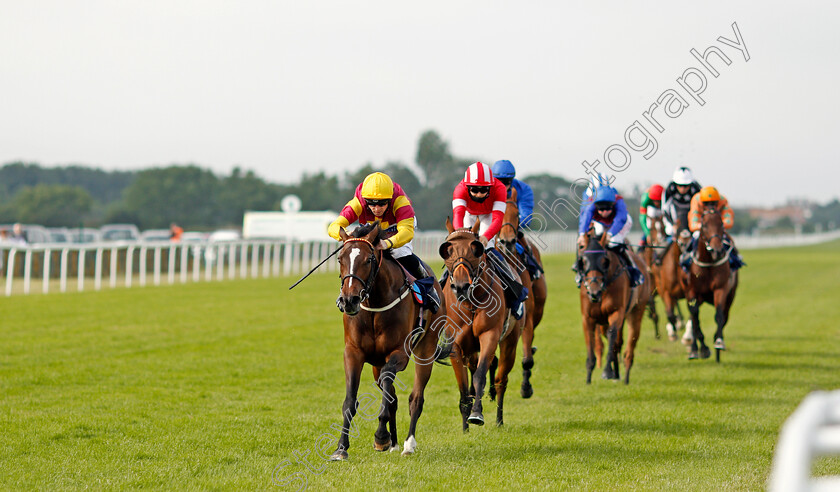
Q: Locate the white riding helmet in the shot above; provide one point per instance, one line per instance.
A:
(683, 176)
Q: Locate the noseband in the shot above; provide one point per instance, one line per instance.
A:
(367, 285)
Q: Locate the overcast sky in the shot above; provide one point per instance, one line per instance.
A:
(284, 87)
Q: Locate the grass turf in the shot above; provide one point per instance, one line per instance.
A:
(235, 385)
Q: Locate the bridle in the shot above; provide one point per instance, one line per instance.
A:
(707, 242)
(367, 285)
(601, 278)
(510, 224)
(473, 273)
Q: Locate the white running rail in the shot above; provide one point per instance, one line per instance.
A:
(53, 267)
(94, 266)
(813, 430)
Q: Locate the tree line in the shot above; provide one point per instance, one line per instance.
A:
(199, 199)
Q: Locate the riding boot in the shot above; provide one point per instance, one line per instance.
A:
(415, 267)
(517, 293)
(735, 260)
(685, 258)
(578, 276)
(636, 277)
(531, 263)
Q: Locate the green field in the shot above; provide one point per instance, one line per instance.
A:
(216, 386)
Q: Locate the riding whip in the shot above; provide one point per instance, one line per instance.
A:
(316, 266)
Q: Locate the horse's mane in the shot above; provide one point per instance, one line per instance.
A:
(364, 230)
(462, 233)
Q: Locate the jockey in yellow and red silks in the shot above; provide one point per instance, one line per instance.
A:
(379, 198)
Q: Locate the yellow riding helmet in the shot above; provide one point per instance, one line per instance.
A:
(709, 194)
(378, 186)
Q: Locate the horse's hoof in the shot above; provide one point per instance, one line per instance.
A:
(476, 418)
(672, 333)
(527, 391)
(705, 353)
(409, 446)
(492, 393)
(382, 446)
(608, 375)
(533, 350)
(719, 344)
(687, 340)
(339, 455)
(693, 355)
(393, 448)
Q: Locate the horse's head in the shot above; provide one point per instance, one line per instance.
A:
(462, 254)
(509, 232)
(594, 264)
(712, 232)
(358, 265)
(657, 230)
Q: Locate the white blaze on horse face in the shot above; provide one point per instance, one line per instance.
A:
(354, 253)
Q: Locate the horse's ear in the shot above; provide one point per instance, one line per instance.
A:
(603, 240)
(445, 250)
(342, 234)
(449, 226)
(513, 193)
(373, 235)
(477, 248)
(476, 227)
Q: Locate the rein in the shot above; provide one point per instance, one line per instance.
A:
(712, 264)
(367, 285)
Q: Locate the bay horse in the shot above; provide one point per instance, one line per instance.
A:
(508, 237)
(379, 329)
(477, 306)
(664, 262)
(606, 300)
(710, 280)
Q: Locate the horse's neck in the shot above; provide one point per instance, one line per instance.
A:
(387, 279)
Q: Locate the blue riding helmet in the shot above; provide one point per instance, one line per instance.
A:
(605, 194)
(504, 169)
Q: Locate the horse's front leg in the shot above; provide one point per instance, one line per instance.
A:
(424, 356)
(507, 359)
(616, 321)
(384, 440)
(489, 340)
(353, 362)
(459, 365)
(673, 324)
(721, 316)
(698, 340)
(589, 336)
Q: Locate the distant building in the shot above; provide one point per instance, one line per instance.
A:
(797, 210)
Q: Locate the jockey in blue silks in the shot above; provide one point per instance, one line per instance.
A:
(504, 171)
(608, 213)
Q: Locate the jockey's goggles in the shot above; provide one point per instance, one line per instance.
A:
(479, 190)
(603, 206)
(506, 181)
(377, 203)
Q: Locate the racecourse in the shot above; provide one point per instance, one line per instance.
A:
(234, 385)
